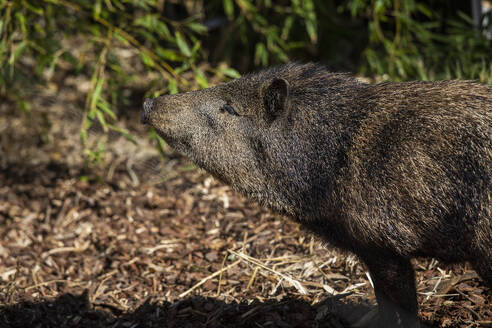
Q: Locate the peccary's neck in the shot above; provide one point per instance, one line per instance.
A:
(308, 156)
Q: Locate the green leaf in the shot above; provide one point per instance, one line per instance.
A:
(88, 121)
(424, 10)
(123, 132)
(466, 18)
(261, 20)
(280, 54)
(182, 45)
(22, 104)
(197, 27)
(230, 72)
(147, 36)
(163, 30)
(96, 93)
(83, 136)
(229, 8)
(247, 5)
(90, 116)
(22, 22)
(96, 9)
(173, 87)
(100, 118)
(201, 79)
(196, 47)
(311, 30)
(261, 54)
(287, 26)
(380, 6)
(147, 60)
(189, 167)
(145, 21)
(30, 7)
(160, 142)
(18, 50)
(84, 178)
(104, 106)
(121, 38)
(169, 54)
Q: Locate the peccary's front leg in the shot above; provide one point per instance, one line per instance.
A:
(394, 285)
(483, 266)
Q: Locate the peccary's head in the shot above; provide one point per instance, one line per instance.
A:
(254, 133)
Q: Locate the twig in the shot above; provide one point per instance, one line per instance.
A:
(66, 250)
(163, 244)
(294, 282)
(252, 279)
(44, 283)
(204, 280)
(220, 275)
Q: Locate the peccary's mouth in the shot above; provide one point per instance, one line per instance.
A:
(179, 143)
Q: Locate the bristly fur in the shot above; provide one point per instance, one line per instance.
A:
(388, 171)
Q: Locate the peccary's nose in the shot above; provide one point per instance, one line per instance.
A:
(147, 108)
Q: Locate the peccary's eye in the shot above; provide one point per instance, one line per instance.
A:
(229, 109)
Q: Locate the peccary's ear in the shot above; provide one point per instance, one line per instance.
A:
(275, 96)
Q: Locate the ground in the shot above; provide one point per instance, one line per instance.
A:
(145, 242)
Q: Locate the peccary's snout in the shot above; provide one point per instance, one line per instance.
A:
(147, 108)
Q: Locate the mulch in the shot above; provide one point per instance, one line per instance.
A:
(140, 242)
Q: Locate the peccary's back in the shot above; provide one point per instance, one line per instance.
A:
(419, 173)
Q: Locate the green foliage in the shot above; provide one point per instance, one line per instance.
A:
(273, 30)
(410, 40)
(41, 37)
(180, 45)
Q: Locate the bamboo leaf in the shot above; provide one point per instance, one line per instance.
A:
(311, 30)
(163, 30)
(121, 38)
(169, 54)
(17, 52)
(100, 118)
(182, 45)
(104, 106)
(96, 93)
(173, 87)
(147, 60)
(160, 142)
(261, 54)
(22, 22)
(229, 8)
(289, 21)
(96, 10)
(201, 79)
(424, 10)
(123, 132)
(230, 72)
(196, 47)
(246, 4)
(197, 27)
(30, 7)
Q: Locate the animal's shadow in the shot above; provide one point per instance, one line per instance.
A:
(70, 310)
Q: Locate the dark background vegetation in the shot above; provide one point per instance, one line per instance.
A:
(102, 225)
(186, 44)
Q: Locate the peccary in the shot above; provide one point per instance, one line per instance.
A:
(389, 171)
